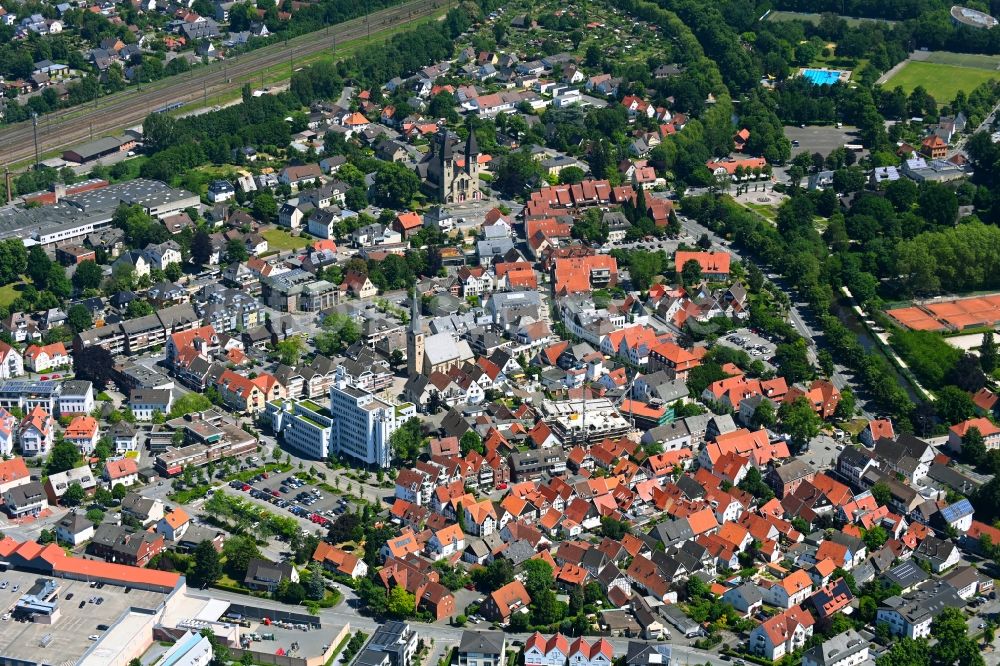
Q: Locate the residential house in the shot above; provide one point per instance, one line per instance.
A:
(43, 358)
(782, 634)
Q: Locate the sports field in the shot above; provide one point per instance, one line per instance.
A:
(942, 81)
(814, 18)
(974, 60)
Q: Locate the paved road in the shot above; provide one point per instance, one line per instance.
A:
(69, 126)
(346, 612)
(797, 316)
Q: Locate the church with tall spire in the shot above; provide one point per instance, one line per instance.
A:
(415, 338)
(451, 177)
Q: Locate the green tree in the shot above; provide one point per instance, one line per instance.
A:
(64, 456)
(974, 446)
(495, 575)
(290, 350)
(236, 250)
(238, 552)
(517, 172)
(291, 592)
(74, 495)
(613, 528)
(538, 576)
(265, 207)
(88, 275)
(793, 361)
(471, 441)
(78, 317)
(201, 247)
(754, 484)
(953, 405)
(906, 652)
(13, 260)
(38, 266)
(395, 185)
(953, 644)
(316, 589)
(188, 403)
(401, 604)
(799, 419)
(691, 273)
(407, 440)
(764, 416)
(989, 356)
(882, 494)
(875, 537)
(119, 491)
(207, 567)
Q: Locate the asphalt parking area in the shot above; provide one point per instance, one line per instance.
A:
(821, 139)
(303, 501)
(757, 347)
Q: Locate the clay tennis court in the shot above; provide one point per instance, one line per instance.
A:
(955, 315)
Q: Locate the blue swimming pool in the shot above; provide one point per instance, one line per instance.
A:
(821, 77)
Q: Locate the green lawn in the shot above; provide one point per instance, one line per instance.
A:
(942, 81)
(814, 18)
(279, 239)
(9, 292)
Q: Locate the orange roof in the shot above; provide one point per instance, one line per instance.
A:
(409, 220)
(833, 551)
(881, 428)
(182, 339)
(452, 533)
(82, 427)
(117, 469)
(321, 244)
(730, 166)
(984, 425)
(63, 563)
(825, 567)
(572, 274)
(37, 418)
(710, 262)
(702, 521)
(796, 581)
(177, 517)
(355, 119)
(13, 470)
(55, 349)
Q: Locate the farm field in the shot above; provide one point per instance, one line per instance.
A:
(942, 81)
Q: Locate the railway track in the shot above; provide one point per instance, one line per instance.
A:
(130, 107)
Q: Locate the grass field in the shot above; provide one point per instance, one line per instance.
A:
(973, 60)
(9, 292)
(814, 18)
(942, 81)
(279, 239)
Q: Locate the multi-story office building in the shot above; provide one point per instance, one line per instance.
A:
(305, 426)
(363, 424)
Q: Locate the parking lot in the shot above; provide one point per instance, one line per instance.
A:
(311, 505)
(822, 140)
(759, 348)
(80, 622)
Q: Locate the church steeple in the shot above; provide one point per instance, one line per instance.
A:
(415, 338)
(471, 150)
(415, 312)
